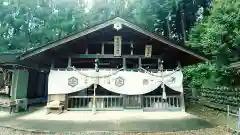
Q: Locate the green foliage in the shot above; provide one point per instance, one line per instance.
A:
(30, 23)
(222, 95)
(218, 35)
(206, 75)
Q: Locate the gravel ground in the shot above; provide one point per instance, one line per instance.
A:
(202, 112)
(211, 131)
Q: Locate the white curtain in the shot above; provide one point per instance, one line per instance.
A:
(173, 79)
(63, 82)
(130, 83)
(122, 82)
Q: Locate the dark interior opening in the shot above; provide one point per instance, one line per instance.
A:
(94, 48)
(61, 63)
(110, 63)
(83, 63)
(139, 49)
(158, 91)
(100, 91)
(108, 48)
(132, 63)
(149, 63)
(126, 49)
(37, 84)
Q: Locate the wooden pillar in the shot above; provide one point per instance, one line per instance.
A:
(131, 48)
(163, 85)
(102, 48)
(159, 64)
(69, 61)
(139, 62)
(179, 64)
(53, 64)
(94, 98)
(124, 63)
(182, 102)
(95, 87)
(86, 49)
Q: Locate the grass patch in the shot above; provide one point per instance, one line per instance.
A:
(212, 115)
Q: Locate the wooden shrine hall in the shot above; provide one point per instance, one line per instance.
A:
(115, 65)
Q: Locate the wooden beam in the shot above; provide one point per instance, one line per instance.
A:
(109, 42)
(93, 56)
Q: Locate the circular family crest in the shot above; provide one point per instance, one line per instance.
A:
(119, 82)
(73, 81)
(145, 82)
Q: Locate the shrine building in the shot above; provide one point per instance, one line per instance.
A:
(115, 65)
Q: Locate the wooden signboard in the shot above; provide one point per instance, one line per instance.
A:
(148, 50)
(117, 45)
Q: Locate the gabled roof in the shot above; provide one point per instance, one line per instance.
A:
(103, 25)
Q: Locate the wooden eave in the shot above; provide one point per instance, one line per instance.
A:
(9, 58)
(103, 25)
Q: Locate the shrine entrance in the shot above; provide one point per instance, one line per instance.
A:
(133, 101)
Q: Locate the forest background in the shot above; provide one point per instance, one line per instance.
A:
(211, 27)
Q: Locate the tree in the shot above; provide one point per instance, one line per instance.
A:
(30, 23)
(217, 36)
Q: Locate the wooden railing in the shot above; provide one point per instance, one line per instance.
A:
(117, 103)
(102, 102)
(156, 102)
